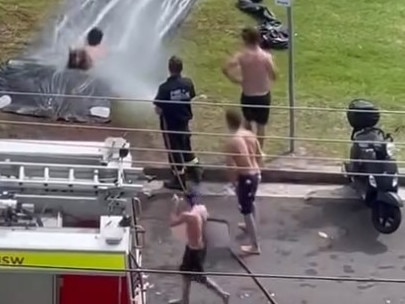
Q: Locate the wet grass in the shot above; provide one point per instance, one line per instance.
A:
(344, 50)
(19, 19)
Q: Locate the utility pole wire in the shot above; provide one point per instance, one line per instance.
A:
(202, 103)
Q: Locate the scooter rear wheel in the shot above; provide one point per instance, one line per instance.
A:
(385, 218)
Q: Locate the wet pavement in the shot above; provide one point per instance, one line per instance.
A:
(291, 245)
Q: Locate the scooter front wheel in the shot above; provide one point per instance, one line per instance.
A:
(385, 218)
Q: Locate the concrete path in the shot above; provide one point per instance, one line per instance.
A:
(331, 192)
(291, 244)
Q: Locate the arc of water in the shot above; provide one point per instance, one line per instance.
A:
(167, 6)
(66, 17)
(100, 17)
(136, 28)
(129, 28)
(59, 27)
(181, 7)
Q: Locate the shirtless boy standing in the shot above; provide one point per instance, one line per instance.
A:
(194, 219)
(244, 159)
(254, 70)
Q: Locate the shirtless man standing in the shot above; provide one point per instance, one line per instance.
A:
(244, 161)
(194, 218)
(253, 69)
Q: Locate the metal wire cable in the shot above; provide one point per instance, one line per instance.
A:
(216, 166)
(165, 165)
(224, 274)
(120, 129)
(212, 166)
(323, 109)
(200, 152)
(267, 156)
(289, 170)
(277, 276)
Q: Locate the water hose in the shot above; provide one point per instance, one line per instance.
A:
(235, 256)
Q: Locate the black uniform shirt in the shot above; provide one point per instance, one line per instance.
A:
(180, 89)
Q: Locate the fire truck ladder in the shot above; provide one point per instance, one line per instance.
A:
(136, 280)
(25, 176)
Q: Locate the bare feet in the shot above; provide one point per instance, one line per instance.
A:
(226, 298)
(242, 226)
(250, 250)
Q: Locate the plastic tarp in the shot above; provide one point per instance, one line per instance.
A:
(134, 33)
(274, 35)
(30, 77)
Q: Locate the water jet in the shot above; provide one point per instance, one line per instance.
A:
(136, 35)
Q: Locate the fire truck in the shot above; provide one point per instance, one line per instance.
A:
(69, 223)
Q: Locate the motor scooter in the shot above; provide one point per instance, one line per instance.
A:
(373, 171)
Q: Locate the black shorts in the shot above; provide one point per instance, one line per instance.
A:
(246, 189)
(193, 261)
(260, 115)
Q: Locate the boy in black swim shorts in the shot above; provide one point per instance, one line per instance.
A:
(260, 112)
(193, 260)
(246, 188)
(244, 160)
(194, 219)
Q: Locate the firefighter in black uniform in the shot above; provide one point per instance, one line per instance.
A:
(176, 117)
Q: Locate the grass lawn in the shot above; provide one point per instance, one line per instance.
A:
(344, 49)
(18, 20)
